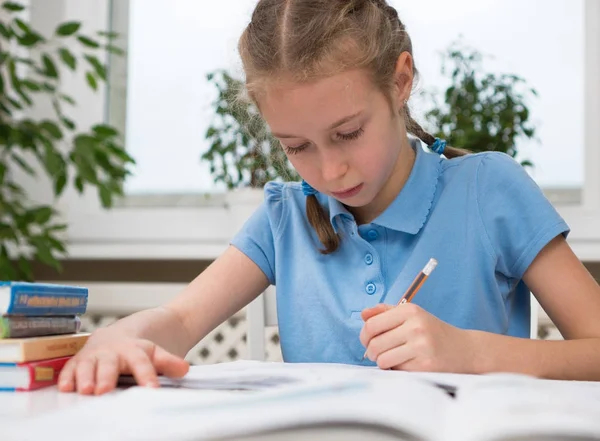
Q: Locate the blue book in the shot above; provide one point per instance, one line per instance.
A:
(29, 298)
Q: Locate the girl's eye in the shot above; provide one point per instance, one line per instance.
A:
(351, 136)
(295, 150)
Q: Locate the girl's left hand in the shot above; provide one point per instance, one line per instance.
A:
(406, 337)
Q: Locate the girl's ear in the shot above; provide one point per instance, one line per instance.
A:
(403, 78)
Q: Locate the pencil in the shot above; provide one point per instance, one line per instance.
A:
(416, 285)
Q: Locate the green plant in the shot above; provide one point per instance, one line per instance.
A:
(30, 72)
(242, 151)
(481, 111)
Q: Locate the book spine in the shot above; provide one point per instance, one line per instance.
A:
(43, 348)
(44, 373)
(25, 326)
(32, 300)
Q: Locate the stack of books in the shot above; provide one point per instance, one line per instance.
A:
(39, 332)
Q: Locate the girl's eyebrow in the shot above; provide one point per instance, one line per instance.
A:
(331, 127)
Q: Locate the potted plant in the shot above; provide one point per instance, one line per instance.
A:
(481, 111)
(30, 72)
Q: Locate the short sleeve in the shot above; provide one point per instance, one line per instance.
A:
(517, 218)
(256, 237)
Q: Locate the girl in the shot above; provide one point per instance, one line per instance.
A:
(332, 79)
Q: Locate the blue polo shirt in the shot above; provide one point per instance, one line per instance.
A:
(481, 216)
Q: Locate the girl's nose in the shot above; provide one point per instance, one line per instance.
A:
(333, 166)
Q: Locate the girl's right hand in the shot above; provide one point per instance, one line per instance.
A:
(95, 369)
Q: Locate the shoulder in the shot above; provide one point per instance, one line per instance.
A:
(284, 202)
(488, 162)
(276, 191)
(488, 171)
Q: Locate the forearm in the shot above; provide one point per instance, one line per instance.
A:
(577, 359)
(160, 325)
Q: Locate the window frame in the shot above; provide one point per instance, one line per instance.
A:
(190, 226)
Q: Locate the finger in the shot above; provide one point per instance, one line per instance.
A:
(367, 313)
(169, 364)
(66, 378)
(386, 341)
(107, 373)
(85, 375)
(391, 318)
(141, 367)
(396, 358)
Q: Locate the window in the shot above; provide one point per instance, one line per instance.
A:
(172, 45)
(539, 40)
(568, 107)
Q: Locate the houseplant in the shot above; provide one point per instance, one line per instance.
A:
(31, 66)
(480, 112)
(242, 152)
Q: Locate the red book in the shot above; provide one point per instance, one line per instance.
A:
(30, 375)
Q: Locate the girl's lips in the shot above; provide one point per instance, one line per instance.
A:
(347, 193)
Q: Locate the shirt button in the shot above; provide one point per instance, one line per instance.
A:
(372, 234)
(368, 259)
(370, 288)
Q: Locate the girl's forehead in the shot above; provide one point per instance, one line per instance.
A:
(329, 95)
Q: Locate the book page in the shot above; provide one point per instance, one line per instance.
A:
(409, 408)
(258, 375)
(512, 406)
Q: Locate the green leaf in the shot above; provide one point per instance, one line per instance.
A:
(115, 50)
(17, 105)
(49, 66)
(91, 80)
(79, 184)
(68, 123)
(22, 164)
(22, 25)
(67, 29)
(43, 252)
(31, 85)
(29, 40)
(105, 196)
(105, 131)
(43, 214)
(56, 244)
(13, 6)
(60, 184)
(67, 99)
(53, 161)
(5, 31)
(57, 227)
(67, 57)
(108, 34)
(86, 41)
(52, 129)
(48, 87)
(25, 267)
(97, 65)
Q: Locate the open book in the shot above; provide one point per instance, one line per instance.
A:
(332, 402)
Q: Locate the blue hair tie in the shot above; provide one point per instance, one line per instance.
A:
(438, 146)
(307, 189)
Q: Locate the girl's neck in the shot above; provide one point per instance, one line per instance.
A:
(391, 188)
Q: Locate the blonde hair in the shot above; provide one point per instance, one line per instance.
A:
(309, 39)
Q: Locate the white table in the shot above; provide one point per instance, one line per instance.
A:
(16, 405)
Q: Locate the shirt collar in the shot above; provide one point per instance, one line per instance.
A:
(408, 212)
